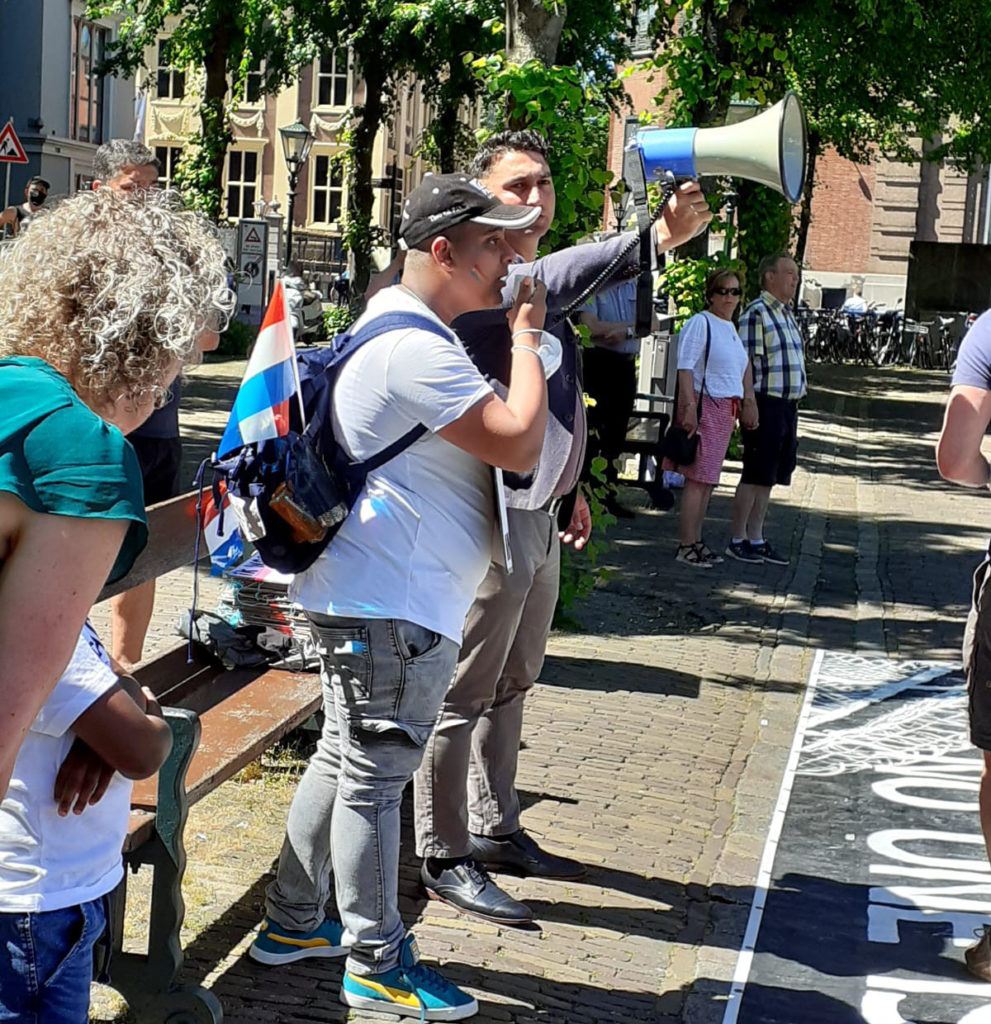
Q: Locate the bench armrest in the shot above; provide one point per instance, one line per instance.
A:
(173, 806)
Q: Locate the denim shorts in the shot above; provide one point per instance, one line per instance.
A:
(46, 964)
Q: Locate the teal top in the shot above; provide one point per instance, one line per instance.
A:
(60, 458)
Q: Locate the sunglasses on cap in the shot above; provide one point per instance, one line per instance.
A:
(727, 291)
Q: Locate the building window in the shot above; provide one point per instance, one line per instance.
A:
(171, 83)
(168, 161)
(251, 93)
(89, 43)
(398, 194)
(242, 183)
(328, 190)
(332, 79)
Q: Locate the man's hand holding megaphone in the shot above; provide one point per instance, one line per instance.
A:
(685, 216)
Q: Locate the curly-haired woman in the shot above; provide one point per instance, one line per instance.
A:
(709, 348)
(102, 302)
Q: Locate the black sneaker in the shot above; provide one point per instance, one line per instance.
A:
(468, 888)
(743, 551)
(768, 554)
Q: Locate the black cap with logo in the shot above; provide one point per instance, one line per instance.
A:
(441, 201)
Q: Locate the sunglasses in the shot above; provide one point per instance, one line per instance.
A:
(727, 291)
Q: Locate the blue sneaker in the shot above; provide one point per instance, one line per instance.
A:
(410, 990)
(276, 945)
(743, 551)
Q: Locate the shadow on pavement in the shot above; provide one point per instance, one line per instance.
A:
(609, 676)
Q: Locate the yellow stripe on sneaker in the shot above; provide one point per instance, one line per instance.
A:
(287, 940)
(302, 943)
(395, 995)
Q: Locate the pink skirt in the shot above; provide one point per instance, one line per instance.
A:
(715, 428)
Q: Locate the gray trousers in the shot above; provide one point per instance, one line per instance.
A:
(383, 682)
(467, 781)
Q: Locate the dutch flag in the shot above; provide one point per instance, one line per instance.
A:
(261, 406)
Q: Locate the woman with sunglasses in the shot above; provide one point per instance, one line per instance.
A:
(712, 360)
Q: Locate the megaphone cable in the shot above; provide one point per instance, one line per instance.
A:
(668, 188)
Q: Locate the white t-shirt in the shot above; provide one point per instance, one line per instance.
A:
(48, 862)
(727, 355)
(419, 539)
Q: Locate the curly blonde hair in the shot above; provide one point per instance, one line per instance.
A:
(114, 290)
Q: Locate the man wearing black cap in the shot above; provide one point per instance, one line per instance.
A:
(387, 599)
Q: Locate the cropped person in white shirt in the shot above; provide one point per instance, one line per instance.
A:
(727, 378)
(57, 864)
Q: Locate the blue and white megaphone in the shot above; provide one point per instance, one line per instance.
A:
(770, 149)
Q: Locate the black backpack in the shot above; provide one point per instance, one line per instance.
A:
(291, 494)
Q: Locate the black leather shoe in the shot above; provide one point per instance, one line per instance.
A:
(519, 854)
(467, 888)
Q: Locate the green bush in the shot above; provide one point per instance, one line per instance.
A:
(237, 340)
(337, 319)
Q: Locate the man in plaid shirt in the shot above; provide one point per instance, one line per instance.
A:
(771, 334)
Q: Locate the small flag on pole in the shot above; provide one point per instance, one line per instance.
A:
(261, 406)
(221, 534)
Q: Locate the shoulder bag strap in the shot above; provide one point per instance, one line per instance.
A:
(705, 365)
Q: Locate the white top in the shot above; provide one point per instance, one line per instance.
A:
(48, 862)
(727, 355)
(419, 539)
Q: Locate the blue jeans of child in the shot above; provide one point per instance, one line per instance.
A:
(383, 683)
(46, 964)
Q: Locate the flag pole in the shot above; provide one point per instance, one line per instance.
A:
(295, 365)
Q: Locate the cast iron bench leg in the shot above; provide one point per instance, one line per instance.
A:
(149, 982)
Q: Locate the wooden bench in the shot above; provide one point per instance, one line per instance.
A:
(221, 721)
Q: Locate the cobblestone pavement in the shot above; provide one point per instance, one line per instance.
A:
(656, 738)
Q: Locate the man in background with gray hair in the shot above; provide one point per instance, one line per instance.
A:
(125, 165)
(128, 166)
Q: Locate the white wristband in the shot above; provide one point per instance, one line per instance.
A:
(548, 351)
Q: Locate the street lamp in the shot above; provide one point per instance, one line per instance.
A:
(296, 142)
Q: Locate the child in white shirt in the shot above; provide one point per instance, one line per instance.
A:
(56, 868)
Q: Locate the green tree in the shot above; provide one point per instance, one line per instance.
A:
(227, 39)
(390, 41)
(875, 76)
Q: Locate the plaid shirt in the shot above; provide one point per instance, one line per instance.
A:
(770, 332)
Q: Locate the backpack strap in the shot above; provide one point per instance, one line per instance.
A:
(396, 448)
(390, 322)
(380, 325)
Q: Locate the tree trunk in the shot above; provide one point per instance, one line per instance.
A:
(805, 212)
(361, 196)
(533, 31)
(216, 130)
(445, 130)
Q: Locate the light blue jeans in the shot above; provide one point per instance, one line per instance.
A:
(46, 964)
(383, 684)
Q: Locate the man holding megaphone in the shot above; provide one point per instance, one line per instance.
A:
(465, 820)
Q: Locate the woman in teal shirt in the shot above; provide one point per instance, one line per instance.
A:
(101, 305)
